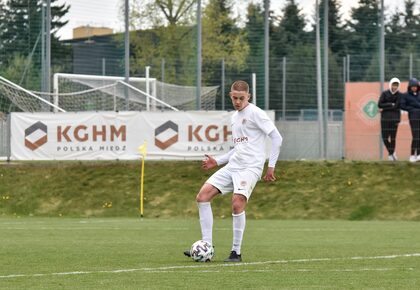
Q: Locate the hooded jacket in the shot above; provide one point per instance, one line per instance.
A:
(389, 102)
(411, 100)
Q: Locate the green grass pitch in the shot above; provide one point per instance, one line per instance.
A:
(129, 253)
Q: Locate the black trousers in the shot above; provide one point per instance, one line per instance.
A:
(415, 132)
(389, 133)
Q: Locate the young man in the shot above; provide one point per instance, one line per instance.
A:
(410, 102)
(389, 105)
(245, 162)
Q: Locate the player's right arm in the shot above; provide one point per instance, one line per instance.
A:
(210, 162)
(223, 159)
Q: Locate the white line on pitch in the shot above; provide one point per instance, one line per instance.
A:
(286, 270)
(206, 266)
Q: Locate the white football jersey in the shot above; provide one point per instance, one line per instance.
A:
(250, 128)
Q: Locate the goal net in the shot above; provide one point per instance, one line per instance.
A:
(76, 92)
(73, 92)
(15, 98)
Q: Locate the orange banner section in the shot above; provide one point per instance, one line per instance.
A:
(362, 124)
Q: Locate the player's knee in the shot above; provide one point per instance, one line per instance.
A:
(200, 197)
(238, 203)
(203, 196)
(206, 193)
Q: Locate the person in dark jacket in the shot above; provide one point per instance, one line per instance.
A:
(389, 104)
(410, 102)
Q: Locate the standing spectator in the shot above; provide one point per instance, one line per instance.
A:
(389, 103)
(411, 102)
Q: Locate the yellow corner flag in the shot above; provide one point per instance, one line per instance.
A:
(142, 150)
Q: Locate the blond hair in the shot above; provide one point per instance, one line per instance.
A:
(240, 86)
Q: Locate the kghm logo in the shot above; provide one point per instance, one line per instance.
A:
(166, 135)
(36, 135)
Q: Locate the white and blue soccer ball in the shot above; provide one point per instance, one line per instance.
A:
(202, 251)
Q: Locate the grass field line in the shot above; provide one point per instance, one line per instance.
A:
(286, 270)
(86, 228)
(207, 267)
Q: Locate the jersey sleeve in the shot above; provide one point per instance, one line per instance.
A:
(276, 141)
(223, 159)
(264, 122)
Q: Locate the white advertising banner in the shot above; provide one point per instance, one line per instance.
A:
(117, 135)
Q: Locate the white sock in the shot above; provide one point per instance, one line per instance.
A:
(206, 221)
(239, 221)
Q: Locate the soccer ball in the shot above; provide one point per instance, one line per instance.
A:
(202, 251)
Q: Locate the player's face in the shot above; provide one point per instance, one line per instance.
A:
(394, 87)
(414, 88)
(240, 99)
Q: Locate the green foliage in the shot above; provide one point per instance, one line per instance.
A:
(169, 37)
(164, 37)
(16, 69)
(304, 190)
(289, 34)
(363, 39)
(221, 40)
(255, 41)
(20, 37)
(336, 32)
(411, 24)
(289, 39)
(2, 23)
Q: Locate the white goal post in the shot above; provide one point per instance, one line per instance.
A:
(83, 88)
(78, 92)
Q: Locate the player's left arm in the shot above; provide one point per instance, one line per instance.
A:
(266, 124)
(276, 141)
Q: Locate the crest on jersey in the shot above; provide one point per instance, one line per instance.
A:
(243, 121)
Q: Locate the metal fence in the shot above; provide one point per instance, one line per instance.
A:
(353, 44)
(4, 138)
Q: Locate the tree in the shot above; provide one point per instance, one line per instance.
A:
(60, 54)
(168, 31)
(221, 39)
(156, 13)
(362, 40)
(290, 32)
(21, 31)
(393, 32)
(335, 26)
(411, 28)
(336, 50)
(289, 39)
(254, 34)
(2, 21)
(401, 40)
(254, 29)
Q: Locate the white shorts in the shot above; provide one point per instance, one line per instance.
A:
(238, 182)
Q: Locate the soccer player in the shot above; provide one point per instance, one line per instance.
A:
(244, 166)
